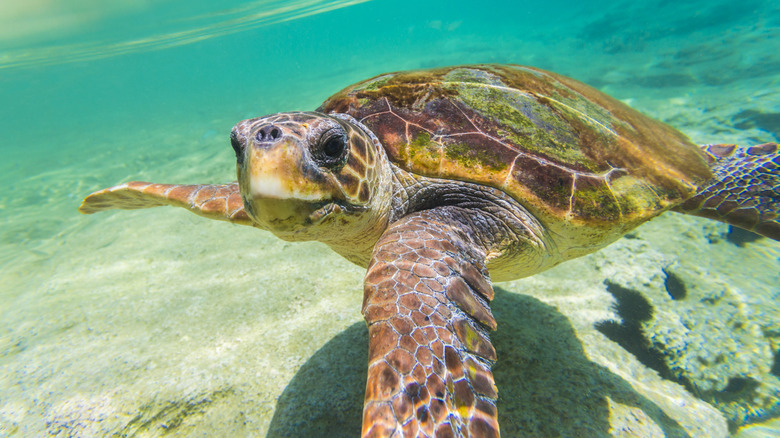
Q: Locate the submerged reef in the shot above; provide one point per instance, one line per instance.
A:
(696, 327)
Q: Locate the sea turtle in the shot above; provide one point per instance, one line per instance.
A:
(441, 181)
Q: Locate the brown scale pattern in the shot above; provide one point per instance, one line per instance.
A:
(426, 305)
(214, 201)
(745, 191)
(553, 184)
(465, 144)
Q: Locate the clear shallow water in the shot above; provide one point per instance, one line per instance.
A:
(105, 320)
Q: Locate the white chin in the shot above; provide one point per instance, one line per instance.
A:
(268, 187)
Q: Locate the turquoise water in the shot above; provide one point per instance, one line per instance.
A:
(156, 322)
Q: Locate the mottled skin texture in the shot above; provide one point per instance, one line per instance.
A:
(426, 304)
(220, 202)
(441, 181)
(744, 191)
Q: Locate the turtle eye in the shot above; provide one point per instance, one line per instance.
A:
(334, 147)
(331, 150)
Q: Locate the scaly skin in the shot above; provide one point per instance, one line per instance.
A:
(745, 190)
(213, 201)
(426, 304)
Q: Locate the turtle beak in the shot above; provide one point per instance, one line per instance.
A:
(280, 186)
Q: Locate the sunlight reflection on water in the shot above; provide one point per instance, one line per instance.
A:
(195, 28)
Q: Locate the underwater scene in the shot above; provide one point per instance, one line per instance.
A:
(158, 322)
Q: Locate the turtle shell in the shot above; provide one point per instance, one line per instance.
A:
(566, 151)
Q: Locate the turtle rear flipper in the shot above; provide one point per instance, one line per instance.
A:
(213, 201)
(745, 191)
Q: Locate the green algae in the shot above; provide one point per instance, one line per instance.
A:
(423, 143)
(526, 122)
(375, 83)
(469, 157)
(596, 201)
(423, 152)
(472, 75)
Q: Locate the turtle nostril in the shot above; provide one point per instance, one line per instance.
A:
(268, 133)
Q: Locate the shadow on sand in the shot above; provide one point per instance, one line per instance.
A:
(547, 386)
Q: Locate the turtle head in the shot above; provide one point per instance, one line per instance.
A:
(313, 176)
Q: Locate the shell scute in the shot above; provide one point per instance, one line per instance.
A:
(554, 183)
(593, 196)
(564, 150)
(523, 119)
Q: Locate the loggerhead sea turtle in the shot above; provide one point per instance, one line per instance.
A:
(439, 181)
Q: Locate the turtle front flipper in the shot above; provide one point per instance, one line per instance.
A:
(426, 304)
(745, 189)
(213, 201)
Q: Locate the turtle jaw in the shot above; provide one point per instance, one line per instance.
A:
(291, 219)
(282, 193)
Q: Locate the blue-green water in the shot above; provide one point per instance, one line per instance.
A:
(155, 322)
